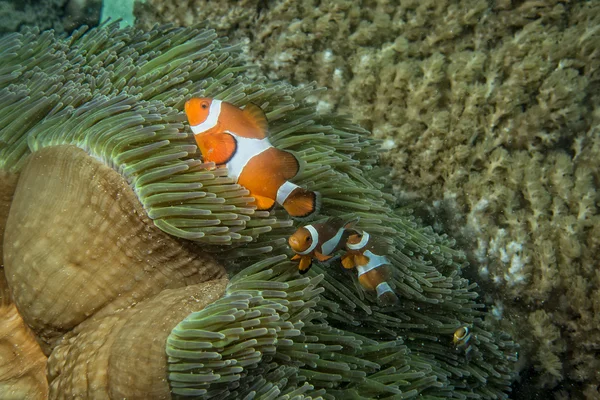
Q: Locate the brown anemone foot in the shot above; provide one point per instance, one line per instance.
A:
(122, 356)
(22, 362)
(8, 183)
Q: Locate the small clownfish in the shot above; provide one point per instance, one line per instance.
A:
(461, 336)
(237, 139)
(319, 241)
(366, 253)
(461, 339)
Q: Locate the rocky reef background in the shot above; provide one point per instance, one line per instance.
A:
(60, 15)
(490, 111)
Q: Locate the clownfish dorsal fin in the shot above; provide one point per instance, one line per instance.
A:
(340, 223)
(335, 222)
(352, 223)
(257, 116)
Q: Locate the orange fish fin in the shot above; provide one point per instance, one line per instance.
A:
(302, 203)
(296, 257)
(305, 264)
(257, 116)
(286, 163)
(262, 202)
(218, 147)
(348, 261)
(321, 257)
(361, 259)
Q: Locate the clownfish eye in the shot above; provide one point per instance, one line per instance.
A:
(204, 105)
(308, 239)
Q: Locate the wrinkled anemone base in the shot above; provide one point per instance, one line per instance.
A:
(122, 356)
(79, 244)
(22, 362)
(8, 183)
(99, 285)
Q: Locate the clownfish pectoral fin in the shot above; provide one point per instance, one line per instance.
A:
(305, 264)
(348, 261)
(217, 147)
(385, 295)
(302, 203)
(321, 257)
(257, 116)
(262, 203)
(296, 257)
(361, 259)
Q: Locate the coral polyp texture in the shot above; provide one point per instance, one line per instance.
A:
(134, 270)
(489, 108)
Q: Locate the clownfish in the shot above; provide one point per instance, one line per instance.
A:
(461, 338)
(367, 254)
(320, 241)
(237, 139)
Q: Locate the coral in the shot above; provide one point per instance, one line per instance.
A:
(60, 15)
(490, 109)
(118, 237)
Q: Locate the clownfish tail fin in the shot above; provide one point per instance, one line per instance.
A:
(302, 203)
(385, 295)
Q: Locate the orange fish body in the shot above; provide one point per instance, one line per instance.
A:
(320, 241)
(367, 254)
(237, 139)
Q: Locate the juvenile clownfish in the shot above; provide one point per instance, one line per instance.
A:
(320, 241)
(237, 139)
(461, 338)
(367, 254)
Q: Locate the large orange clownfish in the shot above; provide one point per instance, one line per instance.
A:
(237, 139)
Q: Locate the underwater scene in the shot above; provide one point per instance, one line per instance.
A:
(312, 199)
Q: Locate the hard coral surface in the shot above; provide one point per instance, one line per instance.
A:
(490, 108)
(60, 15)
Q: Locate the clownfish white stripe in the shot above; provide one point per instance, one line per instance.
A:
(284, 191)
(315, 239)
(382, 288)
(363, 269)
(211, 121)
(329, 246)
(374, 262)
(361, 244)
(246, 149)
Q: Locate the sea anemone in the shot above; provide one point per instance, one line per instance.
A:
(119, 239)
